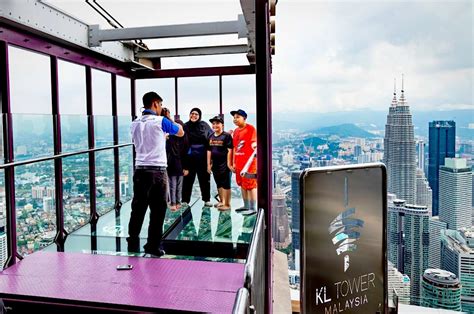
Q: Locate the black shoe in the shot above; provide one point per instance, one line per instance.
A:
(155, 253)
(242, 209)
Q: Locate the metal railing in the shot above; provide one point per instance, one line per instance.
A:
(242, 302)
(255, 267)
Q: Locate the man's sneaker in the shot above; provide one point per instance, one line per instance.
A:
(157, 253)
(242, 209)
(207, 204)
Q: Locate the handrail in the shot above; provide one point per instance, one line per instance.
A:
(254, 275)
(62, 155)
(242, 302)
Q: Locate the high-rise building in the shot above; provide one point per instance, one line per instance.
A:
(3, 243)
(435, 242)
(398, 284)
(420, 154)
(37, 192)
(280, 223)
(455, 193)
(399, 150)
(48, 204)
(441, 144)
(295, 215)
(408, 240)
(441, 290)
(457, 256)
(357, 151)
(423, 190)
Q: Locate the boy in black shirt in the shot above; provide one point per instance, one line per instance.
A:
(219, 160)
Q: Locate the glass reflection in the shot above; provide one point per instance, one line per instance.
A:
(103, 131)
(35, 206)
(32, 136)
(74, 133)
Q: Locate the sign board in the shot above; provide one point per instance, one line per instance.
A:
(343, 239)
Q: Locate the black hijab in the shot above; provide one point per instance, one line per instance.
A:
(198, 132)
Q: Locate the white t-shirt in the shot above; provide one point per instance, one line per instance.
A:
(148, 136)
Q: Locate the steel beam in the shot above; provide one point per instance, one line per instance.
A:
(192, 72)
(193, 51)
(97, 36)
(52, 23)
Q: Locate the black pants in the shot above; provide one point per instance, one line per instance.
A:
(199, 167)
(149, 189)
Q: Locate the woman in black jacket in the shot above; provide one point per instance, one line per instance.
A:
(198, 133)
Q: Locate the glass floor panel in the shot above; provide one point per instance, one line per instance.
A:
(196, 233)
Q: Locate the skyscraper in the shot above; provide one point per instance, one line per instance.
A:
(399, 150)
(408, 240)
(455, 193)
(420, 153)
(423, 190)
(441, 290)
(441, 144)
(295, 215)
(398, 284)
(3, 243)
(435, 242)
(280, 223)
(457, 256)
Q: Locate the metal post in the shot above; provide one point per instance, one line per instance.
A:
(118, 203)
(92, 186)
(176, 115)
(264, 133)
(60, 237)
(8, 155)
(220, 97)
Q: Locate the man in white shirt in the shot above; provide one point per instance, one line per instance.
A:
(150, 177)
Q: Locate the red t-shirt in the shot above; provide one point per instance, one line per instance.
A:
(243, 139)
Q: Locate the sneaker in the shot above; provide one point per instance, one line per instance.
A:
(241, 209)
(248, 212)
(157, 253)
(207, 204)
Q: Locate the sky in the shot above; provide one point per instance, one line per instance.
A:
(330, 55)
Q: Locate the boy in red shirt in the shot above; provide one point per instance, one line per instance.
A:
(245, 143)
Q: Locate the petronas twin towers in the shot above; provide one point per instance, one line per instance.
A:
(400, 150)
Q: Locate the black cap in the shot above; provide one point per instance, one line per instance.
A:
(240, 112)
(217, 119)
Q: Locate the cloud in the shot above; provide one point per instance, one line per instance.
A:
(344, 55)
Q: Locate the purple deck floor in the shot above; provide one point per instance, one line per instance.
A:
(153, 283)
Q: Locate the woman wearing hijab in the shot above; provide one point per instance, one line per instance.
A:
(196, 160)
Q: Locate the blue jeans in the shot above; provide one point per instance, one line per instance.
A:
(176, 187)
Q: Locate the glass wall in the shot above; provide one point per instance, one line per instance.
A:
(102, 108)
(163, 87)
(200, 92)
(30, 100)
(124, 109)
(72, 106)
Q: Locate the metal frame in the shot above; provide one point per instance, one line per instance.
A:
(50, 22)
(192, 51)
(98, 36)
(264, 134)
(40, 41)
